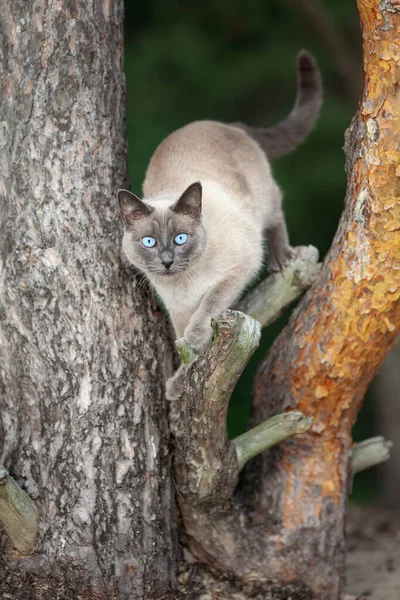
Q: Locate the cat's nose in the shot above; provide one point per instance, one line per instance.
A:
(167, 263)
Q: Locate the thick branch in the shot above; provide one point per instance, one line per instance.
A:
(206, 464)
(271, 432)
(19, 516)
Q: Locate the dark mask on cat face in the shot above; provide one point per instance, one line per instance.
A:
(163, 240)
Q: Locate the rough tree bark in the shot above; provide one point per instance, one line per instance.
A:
(83, 354)
(85, 428)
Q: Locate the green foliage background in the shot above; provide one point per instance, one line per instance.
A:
(234, 60)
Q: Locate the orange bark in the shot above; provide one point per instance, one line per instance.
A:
(348, 322)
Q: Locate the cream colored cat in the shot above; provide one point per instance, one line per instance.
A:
(209, 202)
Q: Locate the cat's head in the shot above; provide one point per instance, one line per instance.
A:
(163, 239)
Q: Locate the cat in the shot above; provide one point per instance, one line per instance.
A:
(209, 199)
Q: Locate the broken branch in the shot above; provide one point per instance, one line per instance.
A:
(369, 453)
(19, 516)
(267, 434)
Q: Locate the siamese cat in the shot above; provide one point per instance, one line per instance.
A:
(210, 201)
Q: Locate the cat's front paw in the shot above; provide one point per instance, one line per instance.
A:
(198, 335)
(174, 386)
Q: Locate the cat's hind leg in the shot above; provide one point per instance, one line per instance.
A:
(279, 251)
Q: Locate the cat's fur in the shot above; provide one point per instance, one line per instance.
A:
(213, 182)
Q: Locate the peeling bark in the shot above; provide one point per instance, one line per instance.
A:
(369, 453)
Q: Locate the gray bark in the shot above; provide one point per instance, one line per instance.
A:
(84, 355)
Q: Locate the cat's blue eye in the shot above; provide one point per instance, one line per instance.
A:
(181, 239)
(149, 241)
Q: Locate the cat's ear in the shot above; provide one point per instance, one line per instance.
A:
(190, 201)
(131, 207)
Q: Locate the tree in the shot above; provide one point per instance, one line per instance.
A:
(123, 480)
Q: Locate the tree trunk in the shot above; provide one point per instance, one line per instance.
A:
(85, 427)
(83, 353)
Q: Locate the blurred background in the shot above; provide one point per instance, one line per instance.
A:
(233, 60)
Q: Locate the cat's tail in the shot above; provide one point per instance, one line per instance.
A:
(292, 131)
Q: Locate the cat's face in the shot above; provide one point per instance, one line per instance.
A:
(163, 241)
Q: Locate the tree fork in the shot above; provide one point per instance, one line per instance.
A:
(207, 465)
